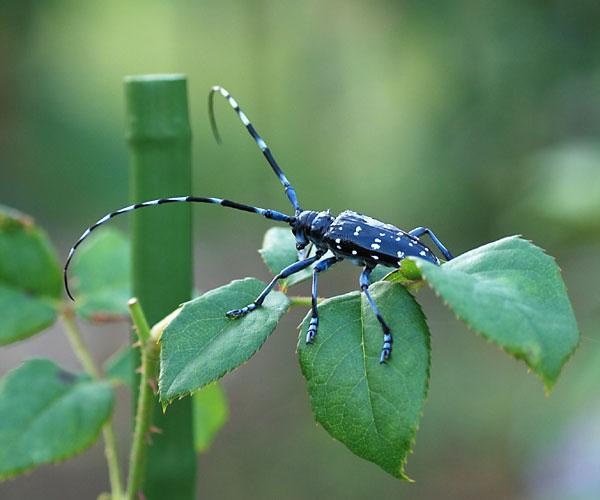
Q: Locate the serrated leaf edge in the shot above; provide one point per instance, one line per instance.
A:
(547, 382)
(62, 458)
(165, 402)
(402, 473)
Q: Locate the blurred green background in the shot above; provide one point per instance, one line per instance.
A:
(478, 119)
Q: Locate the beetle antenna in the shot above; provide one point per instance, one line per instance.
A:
(289, 190)
(267, 213)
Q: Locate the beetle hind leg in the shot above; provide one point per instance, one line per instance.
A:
(420, 231)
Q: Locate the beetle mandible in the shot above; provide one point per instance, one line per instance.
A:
(360, 239)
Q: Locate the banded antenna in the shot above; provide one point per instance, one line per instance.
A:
(289, 190)
(267, 213)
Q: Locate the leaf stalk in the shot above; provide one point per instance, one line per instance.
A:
(87, 362)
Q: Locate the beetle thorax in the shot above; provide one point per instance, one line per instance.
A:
(313, 225)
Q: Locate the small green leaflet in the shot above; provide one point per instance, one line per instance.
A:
(48, 414)
(279, 251)
(373, 409)
(512, 293)
(100, 276)
(201, 344)
(30, 278)
(211, 411)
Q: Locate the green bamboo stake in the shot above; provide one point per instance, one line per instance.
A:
(159, 138)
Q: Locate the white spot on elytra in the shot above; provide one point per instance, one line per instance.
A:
(400, 254)
(358, 228)
(375, 246)
(338, 247)
(354, 252)
(422, 252)
(377, 240)
(375, 257)
(381, 234)
(337, 240)
(355, 233)
(398, 239)
(410, 244)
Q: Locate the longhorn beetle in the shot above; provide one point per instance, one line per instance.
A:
(362, 240)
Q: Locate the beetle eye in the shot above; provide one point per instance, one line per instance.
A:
(300, 246)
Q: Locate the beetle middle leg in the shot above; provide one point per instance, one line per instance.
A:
(387, 334)
(288, 271)
(314, 318)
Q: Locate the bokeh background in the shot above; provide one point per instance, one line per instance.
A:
(479, 119)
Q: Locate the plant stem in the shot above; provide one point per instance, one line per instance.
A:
(108, 434)
(296, 301)
(159, 139)
(143, 419)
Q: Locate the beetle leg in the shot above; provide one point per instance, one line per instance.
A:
(386, 350)
(288, 271)
(420, 231)
(314, 319)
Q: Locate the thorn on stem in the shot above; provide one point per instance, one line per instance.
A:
(153, 385)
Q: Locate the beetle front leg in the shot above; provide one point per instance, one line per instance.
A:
(386, 350)
(314, 319)
(288, 271)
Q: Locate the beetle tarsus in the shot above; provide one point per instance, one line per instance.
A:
(312, 329)
(386, 351)
(238, 313)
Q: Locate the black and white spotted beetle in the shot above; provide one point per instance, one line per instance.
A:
(358, 238)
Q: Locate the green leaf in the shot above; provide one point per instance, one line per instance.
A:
(279, 251)
(101, 276)
(119, 367)
(379, 273)
(210, 414)
(22, 316)
(47, 415)
(30, 278)
(512, 293)
(373, 409)
(201, 344)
